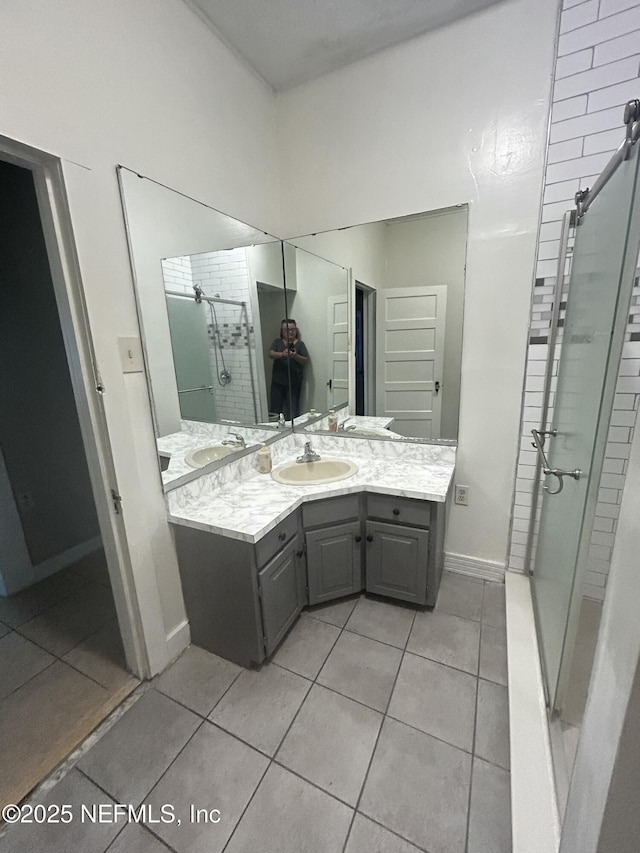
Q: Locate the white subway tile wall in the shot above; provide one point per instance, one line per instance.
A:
(597, 72)
(231, 334)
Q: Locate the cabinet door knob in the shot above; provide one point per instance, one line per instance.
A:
(396, 511)
(369, 538)
(299, 553)
(282, 536)
(358, 538)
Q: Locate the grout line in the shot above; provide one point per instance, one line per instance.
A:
(475, 730)
(375, 746)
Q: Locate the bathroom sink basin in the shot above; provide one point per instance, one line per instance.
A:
(203, 455)
(314, 473)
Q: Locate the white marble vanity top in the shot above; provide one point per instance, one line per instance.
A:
(196, 434)
(360, 421)
(238, 502)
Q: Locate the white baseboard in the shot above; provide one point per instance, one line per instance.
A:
(487, 570)
(178, 640)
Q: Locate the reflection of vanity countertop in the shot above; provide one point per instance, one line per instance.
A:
(360, 421)
(195, 435)
(250, 504)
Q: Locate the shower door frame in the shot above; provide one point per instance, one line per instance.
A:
(554, 693)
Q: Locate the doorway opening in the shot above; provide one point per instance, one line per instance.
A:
(365, 348)
(62, 662)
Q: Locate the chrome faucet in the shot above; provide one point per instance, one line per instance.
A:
(343, 426)
(238, 440)
(309, 454)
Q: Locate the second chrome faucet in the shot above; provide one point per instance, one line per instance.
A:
(309, 454)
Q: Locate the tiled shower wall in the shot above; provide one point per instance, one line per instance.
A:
(597, 72)
(231, 336)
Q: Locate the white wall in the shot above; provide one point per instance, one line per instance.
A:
(147, 85)
(458, 115)
(317, 280)
(428, 252)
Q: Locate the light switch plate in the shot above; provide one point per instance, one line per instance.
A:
(131, 355)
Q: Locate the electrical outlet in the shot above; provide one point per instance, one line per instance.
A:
(462, 495)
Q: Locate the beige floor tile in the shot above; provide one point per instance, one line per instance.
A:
(260, 706)
(288, 815)
(198, 679)
(330, 743)
(362, 669)
(20, 660)
(335, 612)
(17, 609)
(307, 646)
(101, 657)
(381, 620)
(63, 626)
(460, 596)
(42, 721)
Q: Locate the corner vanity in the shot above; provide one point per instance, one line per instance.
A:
(383, 337)
(253, 552)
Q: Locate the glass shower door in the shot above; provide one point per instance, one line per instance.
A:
(190, 346)
(603, 266)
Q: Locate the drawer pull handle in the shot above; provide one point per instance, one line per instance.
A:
(282, 536)
(369, 538)
(396, 511)
(358, 538)
(299, 553)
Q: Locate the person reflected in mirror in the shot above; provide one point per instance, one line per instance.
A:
(289, 355)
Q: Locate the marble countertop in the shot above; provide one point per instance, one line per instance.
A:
(250, 504)
(195, 434)
(359, 421)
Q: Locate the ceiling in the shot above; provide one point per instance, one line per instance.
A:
(288, 42)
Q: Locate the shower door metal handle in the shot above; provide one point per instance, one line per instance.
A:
(538, 443)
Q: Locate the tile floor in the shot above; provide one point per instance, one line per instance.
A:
(374, 729)
(62, 671)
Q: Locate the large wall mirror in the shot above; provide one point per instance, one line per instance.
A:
(210, 297)
(376, 309)
(387, 299)
(318, 304)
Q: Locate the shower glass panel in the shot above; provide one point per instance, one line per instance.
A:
(190, 346)
(603, 266)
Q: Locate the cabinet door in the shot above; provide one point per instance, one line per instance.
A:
(333, 561)
(397, 560)
(280, 594)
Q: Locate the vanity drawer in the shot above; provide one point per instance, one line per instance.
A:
(399, 510)
(276, 539)
(331, 511)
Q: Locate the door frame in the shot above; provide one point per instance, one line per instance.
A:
(87, 386)
(369, 344)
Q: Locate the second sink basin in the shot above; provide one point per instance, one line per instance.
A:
(203, 455)
(314, 473)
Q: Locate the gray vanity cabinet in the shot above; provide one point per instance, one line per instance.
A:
(281, 592)
(242, 598)
(333, 536)
(404, 548)
(397, 561)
